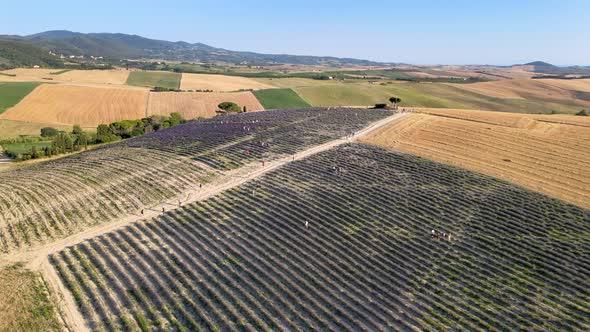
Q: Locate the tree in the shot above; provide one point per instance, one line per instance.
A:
(582, 113)
(49, 132)
(229, 107)
(104, 134)
(395, 100)
(77, 130)
(175, 119)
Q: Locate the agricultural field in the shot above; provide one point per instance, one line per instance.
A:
(20, 148)
(115, 76)
(26, 75)
(87, 106)
(12, 93)
(25, 303)
(161, 79)
(527, 89)
(280, 98)
(340, 241)
(12, 129)
(572, 85)
(439, 95)
(52, 200)
(219, 83)
(545, 153)
(193, 105)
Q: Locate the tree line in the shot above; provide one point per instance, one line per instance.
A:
(77, 140)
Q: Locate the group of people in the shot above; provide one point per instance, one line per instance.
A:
(440, 235)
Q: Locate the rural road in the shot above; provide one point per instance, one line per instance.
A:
(37, 258)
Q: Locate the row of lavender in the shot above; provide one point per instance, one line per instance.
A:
(231, 141)
(343, 241)
(61, 197)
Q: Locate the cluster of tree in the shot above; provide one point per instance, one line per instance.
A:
(230, 107)
(132, 128)
(62, 142)
(394, 100)
(77, 140)
(582, 113)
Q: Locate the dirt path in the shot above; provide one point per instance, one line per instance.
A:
(37, 258)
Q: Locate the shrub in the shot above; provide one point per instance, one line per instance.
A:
(582, 113)
(49, 132)
(379, 106)
(229, 107)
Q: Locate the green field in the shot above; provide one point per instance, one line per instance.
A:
(167, 80)
(13, 92)
(280, 98)
(20, 148)
(436, 95)
(12, 128)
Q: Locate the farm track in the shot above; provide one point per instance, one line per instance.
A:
(244, 258)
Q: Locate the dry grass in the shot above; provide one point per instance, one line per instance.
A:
(219, 83)
(27, 75)
(25, 304)
(574, 85)
(11, 128)
(542, 156)
(198, 104)
(86, 106)
(106, 77)
(517, 89)
(116, 76)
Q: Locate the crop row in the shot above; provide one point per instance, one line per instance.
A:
(342, 241)
(63, 196)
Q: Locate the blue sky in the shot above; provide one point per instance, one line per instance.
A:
(412, 31)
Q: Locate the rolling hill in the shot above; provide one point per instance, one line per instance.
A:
(19, 54)
(547, 68)
(124, 46)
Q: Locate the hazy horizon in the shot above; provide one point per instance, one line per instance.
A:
(419, 32)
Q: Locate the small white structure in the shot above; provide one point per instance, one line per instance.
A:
(36, 66)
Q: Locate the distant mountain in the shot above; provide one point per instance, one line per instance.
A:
(122, 46)
(547, 68)
(19, 54)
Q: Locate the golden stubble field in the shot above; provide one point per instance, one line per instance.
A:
(521, 89)
(83, 105)
(198, 104)
(219, 83)
(106, 77)
(548, 154)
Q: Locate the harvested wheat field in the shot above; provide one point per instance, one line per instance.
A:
(547, 157)
(523, 89)
(115, 76)
(198, 104)
(219, 83)
(86, 106)
(574, 84)
(27, 74)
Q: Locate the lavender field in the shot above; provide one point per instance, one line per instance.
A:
(65, 196)
(342, 240)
